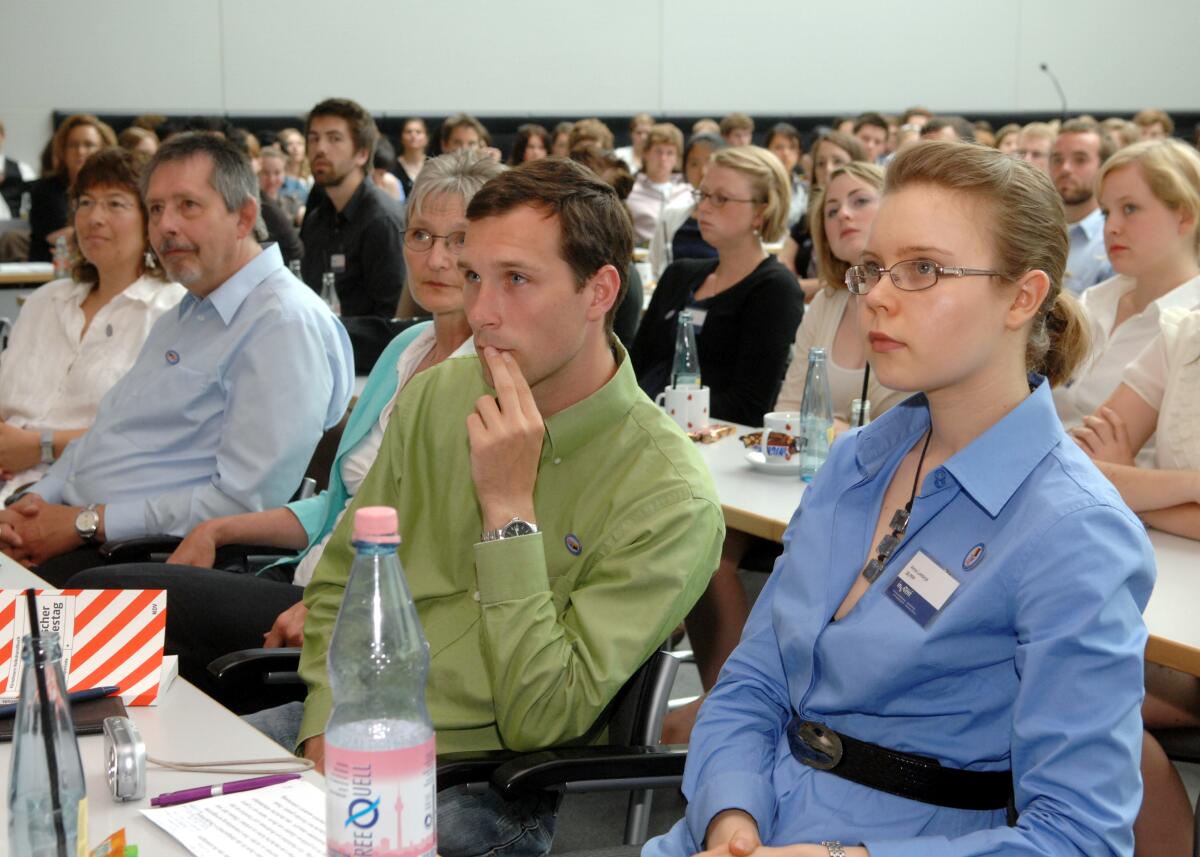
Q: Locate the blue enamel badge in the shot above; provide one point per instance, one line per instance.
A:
(573, 544)
(974, 555)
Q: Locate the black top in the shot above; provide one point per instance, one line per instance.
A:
(743, 342)
(48, 211)
(12, 186)
(367, 234)
(629, 311)
(806, 258)
(280, 229)
(688, 243)
(401, 174)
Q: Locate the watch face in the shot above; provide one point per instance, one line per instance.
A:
(87, 521)
(518, 528)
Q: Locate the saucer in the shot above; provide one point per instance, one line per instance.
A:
(758, 462)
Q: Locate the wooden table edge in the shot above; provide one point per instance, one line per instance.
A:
(755, 525)
(1177, 656)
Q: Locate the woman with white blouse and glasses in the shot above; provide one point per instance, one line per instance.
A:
(1150, 195)
(1159, 395)
(75, 337)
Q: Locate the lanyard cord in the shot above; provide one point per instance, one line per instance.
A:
(899, 524)
(862, 408)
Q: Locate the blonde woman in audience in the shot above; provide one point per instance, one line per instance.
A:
(659, 184)
(298, 179)
(78, 137)
(1154, 124)
(831, 151)
(1159, 396)
(76, 337)
(271, 176)
(138, 139)
(971, 686)
(414, 142)
(1123, 132)
(1150, 195)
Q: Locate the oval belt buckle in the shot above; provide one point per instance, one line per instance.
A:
(815, 745)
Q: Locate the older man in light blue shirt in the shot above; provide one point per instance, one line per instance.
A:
(229, 396)
(1075, 159)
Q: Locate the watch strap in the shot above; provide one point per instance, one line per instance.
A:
(834, 848)
(88, 533)
(47, 447)
(503, 533)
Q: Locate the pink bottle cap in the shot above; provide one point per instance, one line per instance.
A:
(376, 524)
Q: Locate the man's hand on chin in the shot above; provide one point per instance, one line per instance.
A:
(33, 531)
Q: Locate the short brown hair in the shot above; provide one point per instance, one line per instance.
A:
(58, 145)
(1151, 115)
(463, 120)
(736, 122)
(1029, 231)
(595, 229)
(112, 167)
(1080, 125)
(606, 165)
(363, 130)
(134, 134)
(873, 120)
(664, 134)
(590, 129)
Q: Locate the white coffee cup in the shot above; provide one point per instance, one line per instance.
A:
(785, 423)
(688, 406)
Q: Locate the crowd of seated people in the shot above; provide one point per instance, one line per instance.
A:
(1021, 306)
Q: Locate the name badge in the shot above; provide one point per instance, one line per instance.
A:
(922, 588)
(698, 316)
(337, 263)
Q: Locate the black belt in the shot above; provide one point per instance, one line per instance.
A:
(915, 777)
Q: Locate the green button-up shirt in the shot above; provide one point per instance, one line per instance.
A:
(531, 637)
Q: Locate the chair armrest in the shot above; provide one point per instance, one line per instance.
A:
(140, 549)
(461, 769)
(598, 768)
(265, 666)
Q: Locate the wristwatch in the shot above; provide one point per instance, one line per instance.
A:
(87, 522)
(513, 529)
(47, 447)
(834, 848)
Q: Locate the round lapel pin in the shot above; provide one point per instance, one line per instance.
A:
(172, 357)
(573, 544)
(974, 555)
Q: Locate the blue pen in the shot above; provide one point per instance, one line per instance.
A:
(10, 710)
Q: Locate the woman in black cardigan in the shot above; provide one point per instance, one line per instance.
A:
(746, 306)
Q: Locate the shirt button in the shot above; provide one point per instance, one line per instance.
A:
(558, 461)
(939, 478)
(476, 595)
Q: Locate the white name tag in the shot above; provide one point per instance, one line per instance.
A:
(337, 263)
(923, 588)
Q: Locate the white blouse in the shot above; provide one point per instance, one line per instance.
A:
(1113, 350)
(53, 378)
(1167, 375)
(357, 462)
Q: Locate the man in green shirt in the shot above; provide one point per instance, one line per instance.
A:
(556, 525)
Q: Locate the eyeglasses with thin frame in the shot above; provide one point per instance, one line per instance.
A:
(718, 199)
(912, 275)
(421, 240)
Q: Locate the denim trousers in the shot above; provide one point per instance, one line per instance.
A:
(469, 824)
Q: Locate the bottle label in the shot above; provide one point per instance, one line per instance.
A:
(381, 803)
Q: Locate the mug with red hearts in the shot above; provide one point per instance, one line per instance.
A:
(687, 405)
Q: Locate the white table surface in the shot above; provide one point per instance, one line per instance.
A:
(762, 504)
(186, 726)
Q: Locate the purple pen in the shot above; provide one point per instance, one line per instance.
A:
(189, 795)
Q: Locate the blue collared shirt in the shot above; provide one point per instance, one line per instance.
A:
(1034, 663)
(220, 412)
(1087, 258)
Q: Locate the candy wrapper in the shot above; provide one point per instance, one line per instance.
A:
(711, 433)
(753, 440)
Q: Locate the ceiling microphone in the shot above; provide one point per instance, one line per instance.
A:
(1061, 95)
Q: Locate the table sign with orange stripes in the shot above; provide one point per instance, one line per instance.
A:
(108, 636)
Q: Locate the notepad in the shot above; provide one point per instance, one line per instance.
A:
(285, 819)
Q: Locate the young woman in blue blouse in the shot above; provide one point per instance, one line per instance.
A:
(947, 659)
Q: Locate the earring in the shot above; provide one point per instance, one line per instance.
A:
(151, 264)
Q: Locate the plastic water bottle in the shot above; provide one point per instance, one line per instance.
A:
(329, 292)
(685, 371)
(816, 416)
(33, 822)
(380, 761)
(62, 258)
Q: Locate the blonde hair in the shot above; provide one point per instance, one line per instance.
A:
(590, 129)
(1005, 131)
(1151, 115)
(831, 268)
(1171, 169)
(769, 179)
(1029, 231)
(1039, 130)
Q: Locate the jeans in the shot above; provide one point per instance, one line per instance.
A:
(469, 824)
